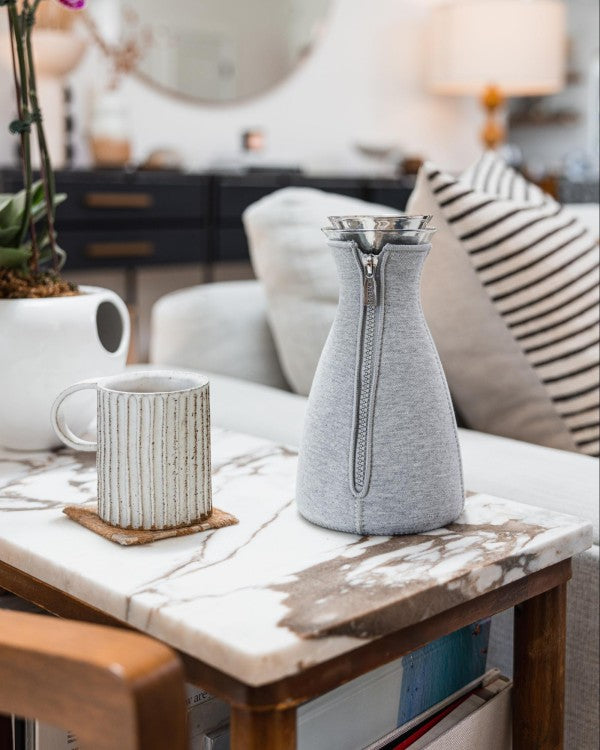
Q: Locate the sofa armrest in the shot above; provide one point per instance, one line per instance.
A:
(220, 328)
(264, 412)
(561, 481)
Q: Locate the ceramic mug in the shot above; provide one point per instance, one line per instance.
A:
(153, 447)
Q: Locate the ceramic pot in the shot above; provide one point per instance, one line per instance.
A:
(45, 346)
(109, 133)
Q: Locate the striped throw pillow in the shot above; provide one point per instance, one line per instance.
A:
(538, 266)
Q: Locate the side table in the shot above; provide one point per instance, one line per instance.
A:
(274, 611)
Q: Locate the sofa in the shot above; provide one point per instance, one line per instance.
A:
(222, 329)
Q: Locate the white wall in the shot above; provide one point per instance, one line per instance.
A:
(364, 83)
(550, 146)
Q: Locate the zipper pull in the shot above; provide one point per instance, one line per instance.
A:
(370, 282)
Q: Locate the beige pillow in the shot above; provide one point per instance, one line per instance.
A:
(290, 256)
(510, 292)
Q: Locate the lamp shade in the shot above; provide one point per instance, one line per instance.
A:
(518, 46)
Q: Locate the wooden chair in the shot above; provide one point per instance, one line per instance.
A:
(112, 688)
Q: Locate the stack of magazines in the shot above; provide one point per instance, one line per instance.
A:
(474, 718)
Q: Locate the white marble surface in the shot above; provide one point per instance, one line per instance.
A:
(260, 599)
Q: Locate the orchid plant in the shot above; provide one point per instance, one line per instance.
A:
(30, 258)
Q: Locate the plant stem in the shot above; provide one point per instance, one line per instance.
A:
(34, 262)
(46, 166)
(16, 28)
(17, 86)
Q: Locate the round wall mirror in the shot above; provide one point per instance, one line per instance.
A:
(211, 50)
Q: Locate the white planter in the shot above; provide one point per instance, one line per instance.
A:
(47, 345)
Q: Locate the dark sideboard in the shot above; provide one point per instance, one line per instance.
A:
(118, 219)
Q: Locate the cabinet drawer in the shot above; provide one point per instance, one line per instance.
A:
(132, 202)
(117, 249)
(231, 245)
(95, 196)
(234, 194)
(390, 193)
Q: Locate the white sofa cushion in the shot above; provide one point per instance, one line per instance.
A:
(218, 327)
(256, 409)
(510, 292)
(290, 256)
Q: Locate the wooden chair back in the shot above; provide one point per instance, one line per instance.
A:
(112, 688)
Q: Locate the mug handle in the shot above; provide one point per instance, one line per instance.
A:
(61, 428)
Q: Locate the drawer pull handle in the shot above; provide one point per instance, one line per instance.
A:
(118, 200)
(119, 249)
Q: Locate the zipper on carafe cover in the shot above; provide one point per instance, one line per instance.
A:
(370, 282)
(366, 372)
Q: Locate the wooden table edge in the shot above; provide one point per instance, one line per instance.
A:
(311, 680)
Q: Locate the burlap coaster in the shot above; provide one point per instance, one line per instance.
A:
(88, 516)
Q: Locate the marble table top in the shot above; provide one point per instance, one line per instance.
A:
(273, 594)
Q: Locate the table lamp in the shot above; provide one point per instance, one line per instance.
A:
(495, 49)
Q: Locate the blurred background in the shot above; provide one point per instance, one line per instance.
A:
(166, 119)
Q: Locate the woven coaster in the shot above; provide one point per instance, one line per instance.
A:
(88, 517)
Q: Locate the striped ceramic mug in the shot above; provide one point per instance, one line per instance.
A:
(153, 448)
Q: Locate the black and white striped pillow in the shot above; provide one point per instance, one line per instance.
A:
(539, 266)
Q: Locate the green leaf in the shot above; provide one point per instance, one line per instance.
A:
(9, 235)
(4, 199)
(46, 255)
(62, 257)
(37, 193)
(12, 211)
(43, 240)
(14, 257)
(38, 210)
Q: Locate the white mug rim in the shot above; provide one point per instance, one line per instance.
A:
(110, 383)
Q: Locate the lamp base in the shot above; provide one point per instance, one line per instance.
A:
(493, 131)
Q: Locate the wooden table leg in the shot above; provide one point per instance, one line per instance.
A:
(271, 729)
(539, 671)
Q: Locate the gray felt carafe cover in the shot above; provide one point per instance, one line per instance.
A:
(380, 451)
